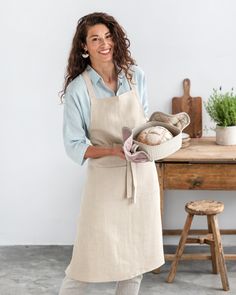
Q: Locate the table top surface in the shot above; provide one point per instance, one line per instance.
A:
(204, 149)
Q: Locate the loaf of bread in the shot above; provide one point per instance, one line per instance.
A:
(154, 135)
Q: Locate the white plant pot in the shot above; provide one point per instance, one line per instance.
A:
(226, 135)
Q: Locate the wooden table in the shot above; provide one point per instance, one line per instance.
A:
(203, 165)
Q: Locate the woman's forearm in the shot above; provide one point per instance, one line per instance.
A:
(99, 151)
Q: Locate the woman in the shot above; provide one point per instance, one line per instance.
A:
(119, 234)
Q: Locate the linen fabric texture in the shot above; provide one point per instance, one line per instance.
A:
(119, 231)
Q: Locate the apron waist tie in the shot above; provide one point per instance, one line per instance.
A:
(131, 181)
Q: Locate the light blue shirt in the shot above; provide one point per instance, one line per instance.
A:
(77, 108)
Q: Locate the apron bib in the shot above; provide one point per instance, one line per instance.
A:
(119, 232)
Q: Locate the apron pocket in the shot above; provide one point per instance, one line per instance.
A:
(147, 179)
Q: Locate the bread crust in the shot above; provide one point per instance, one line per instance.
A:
(154, 135)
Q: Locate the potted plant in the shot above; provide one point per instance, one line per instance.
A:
(221, 108)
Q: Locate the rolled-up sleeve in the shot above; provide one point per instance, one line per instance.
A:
(74, 130)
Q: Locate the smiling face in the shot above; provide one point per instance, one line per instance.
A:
(99, 44)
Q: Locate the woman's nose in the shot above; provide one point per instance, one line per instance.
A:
(102, 40)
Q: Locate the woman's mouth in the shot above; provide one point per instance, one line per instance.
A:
(105, 51)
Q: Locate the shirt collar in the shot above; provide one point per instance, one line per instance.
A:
(95, 77)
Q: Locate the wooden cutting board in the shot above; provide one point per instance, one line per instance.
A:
(192, 106)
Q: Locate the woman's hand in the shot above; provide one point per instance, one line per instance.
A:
(99, 151)
(119, 152)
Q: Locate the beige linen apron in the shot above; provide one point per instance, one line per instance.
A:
(119, 233)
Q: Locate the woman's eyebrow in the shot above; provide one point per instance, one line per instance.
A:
(95, 35)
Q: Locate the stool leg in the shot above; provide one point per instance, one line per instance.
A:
(180, 248)
(215, 268)
(219, 252)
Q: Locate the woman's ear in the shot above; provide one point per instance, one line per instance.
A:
(85, 47)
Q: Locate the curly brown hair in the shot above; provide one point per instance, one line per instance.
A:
(122, 56)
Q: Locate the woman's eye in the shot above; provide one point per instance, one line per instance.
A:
(95, 39)
(108, 36)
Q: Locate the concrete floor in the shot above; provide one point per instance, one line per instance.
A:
(38, 270)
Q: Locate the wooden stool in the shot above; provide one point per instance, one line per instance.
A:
(213, 238)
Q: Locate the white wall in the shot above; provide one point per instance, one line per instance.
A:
(171, 40)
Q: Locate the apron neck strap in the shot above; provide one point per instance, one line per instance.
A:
(131, 83)
(89, 85)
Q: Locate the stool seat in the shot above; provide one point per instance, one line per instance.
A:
(204, 207)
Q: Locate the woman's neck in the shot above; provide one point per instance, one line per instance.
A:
(107, 72)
